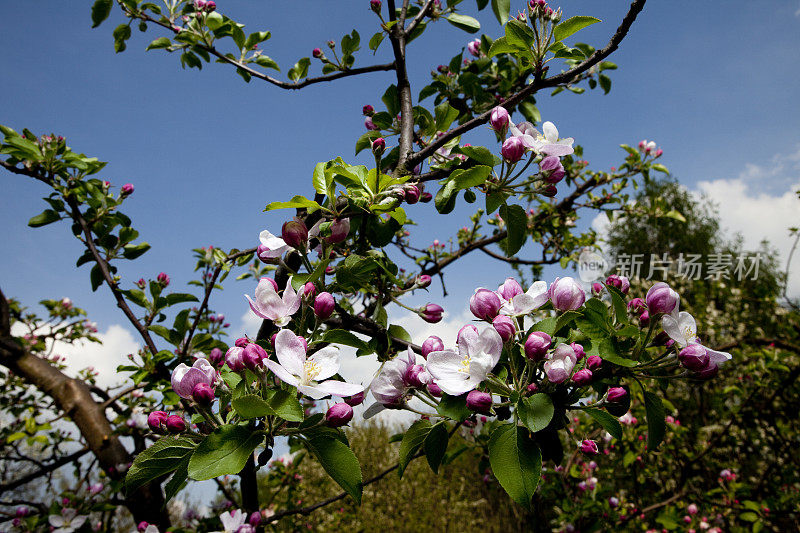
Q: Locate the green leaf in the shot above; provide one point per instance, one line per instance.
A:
(163, 457)
(376, 40)
(180, 297)
(96, 277)
(605, 83)
(412, 440)
(339, 461)
(48, 216)
(480, 154)
(608, 421)
(519, 34)
(121, 34)
(435, 445)
(251, 406)
(464, 22)
(572, 25)
(661, 168)
(501, 8)
(495, 200)
(365, 141)
(267, 62)
(454, 407)
(132, 251)
(517, 227)
(536, 412)
(471, 177)
(294, 203)
(607, 349)
(530, 111)
(256, 38)
(223, 452)
(178, 480)
(656, 427)
(618, 304)
(516, 462)
(100, 11)
(285, 405)
(341, 336)
(299, 70)
(445, 114)
(502, 46)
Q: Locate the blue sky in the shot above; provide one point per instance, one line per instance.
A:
(714, 83)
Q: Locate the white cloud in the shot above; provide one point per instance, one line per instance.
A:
(112, 350)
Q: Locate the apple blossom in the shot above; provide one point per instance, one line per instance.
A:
(309, 374)
(232, 521)
(559, 367)
(68, 521)
(580, 353)
(234, 358)
(589, 447)
(513, 149)
(269, 305)
(547, 143)
(521, 303)
(505, 327)
(551, 168)
(474, 47)
(369, 124)
(661, 299)
(185, 378)
(294, 233)
(484, 304)
(566, 294)
(499, 120)
(389, 387)
(324, 305)
(682, 329)
(457, 372)
(432, 344)
(537, 344)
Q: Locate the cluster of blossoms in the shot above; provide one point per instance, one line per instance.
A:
(525, 137)
(650, 148)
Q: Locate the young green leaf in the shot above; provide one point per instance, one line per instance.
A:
(608, 421)
(435, 445)
(572, 25)
(656, 427)
(536, 412)
(464, 22)
(158, 460)
(339, 461)
(223, 452)
(412, 440)
(516, 462)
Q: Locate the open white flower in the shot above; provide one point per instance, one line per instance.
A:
(232, 521)
(548, 144)
(457, 372)
(67, 522)
(522, 304)
(682, 328)
(309, 375)
(270, 305)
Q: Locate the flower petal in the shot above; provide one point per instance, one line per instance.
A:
(491, 345)
(291, 351)
(327, 362)
(445, 365)
(254, 307)
(339, 388)
(718, 357)
(671, 327)
(550, 132)
(281, 372)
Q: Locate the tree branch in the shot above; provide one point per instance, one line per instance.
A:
(46, 469)
(397, 36)
(534, 86)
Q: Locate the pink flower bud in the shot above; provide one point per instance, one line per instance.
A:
(636, 305)
(324, 305)
(582, 377)
(566, 294)
(613, 502)
(551, 168)
(512, 149)
(432, 344)
(694, 357)
(241, 342)
(211, 5)
(537, 344)
(426, 197)
(434, 389)
(216, 356)
(474, 47)
(368, 110)
(126, 190)
(597, 289)
(375, 5)
(294, 233)
(370, 125)
(504, 325)
(309, 290)
(355, 399)
(431, 313)
(141, 283)
(163, 279)
(579, 351)
(423, 281)
(412, 194)
(340, 229)
(594, 362)
(499, 120)
(156, 419)
(143, 525)
(484, 304)
(252, 356)
(616, 394)
(22, 511)
(378, 146)
(692, 509)
(480, 402)
(203, 393)
(620, 282)
(316, 52)
(175, 424)
(589, 447)
(661, 299)
(416, 376)
(233, 358)
(510, 288)
(338, 415)
(644, 319)
(550, 191)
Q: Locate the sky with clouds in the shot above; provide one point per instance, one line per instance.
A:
(713, 83)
